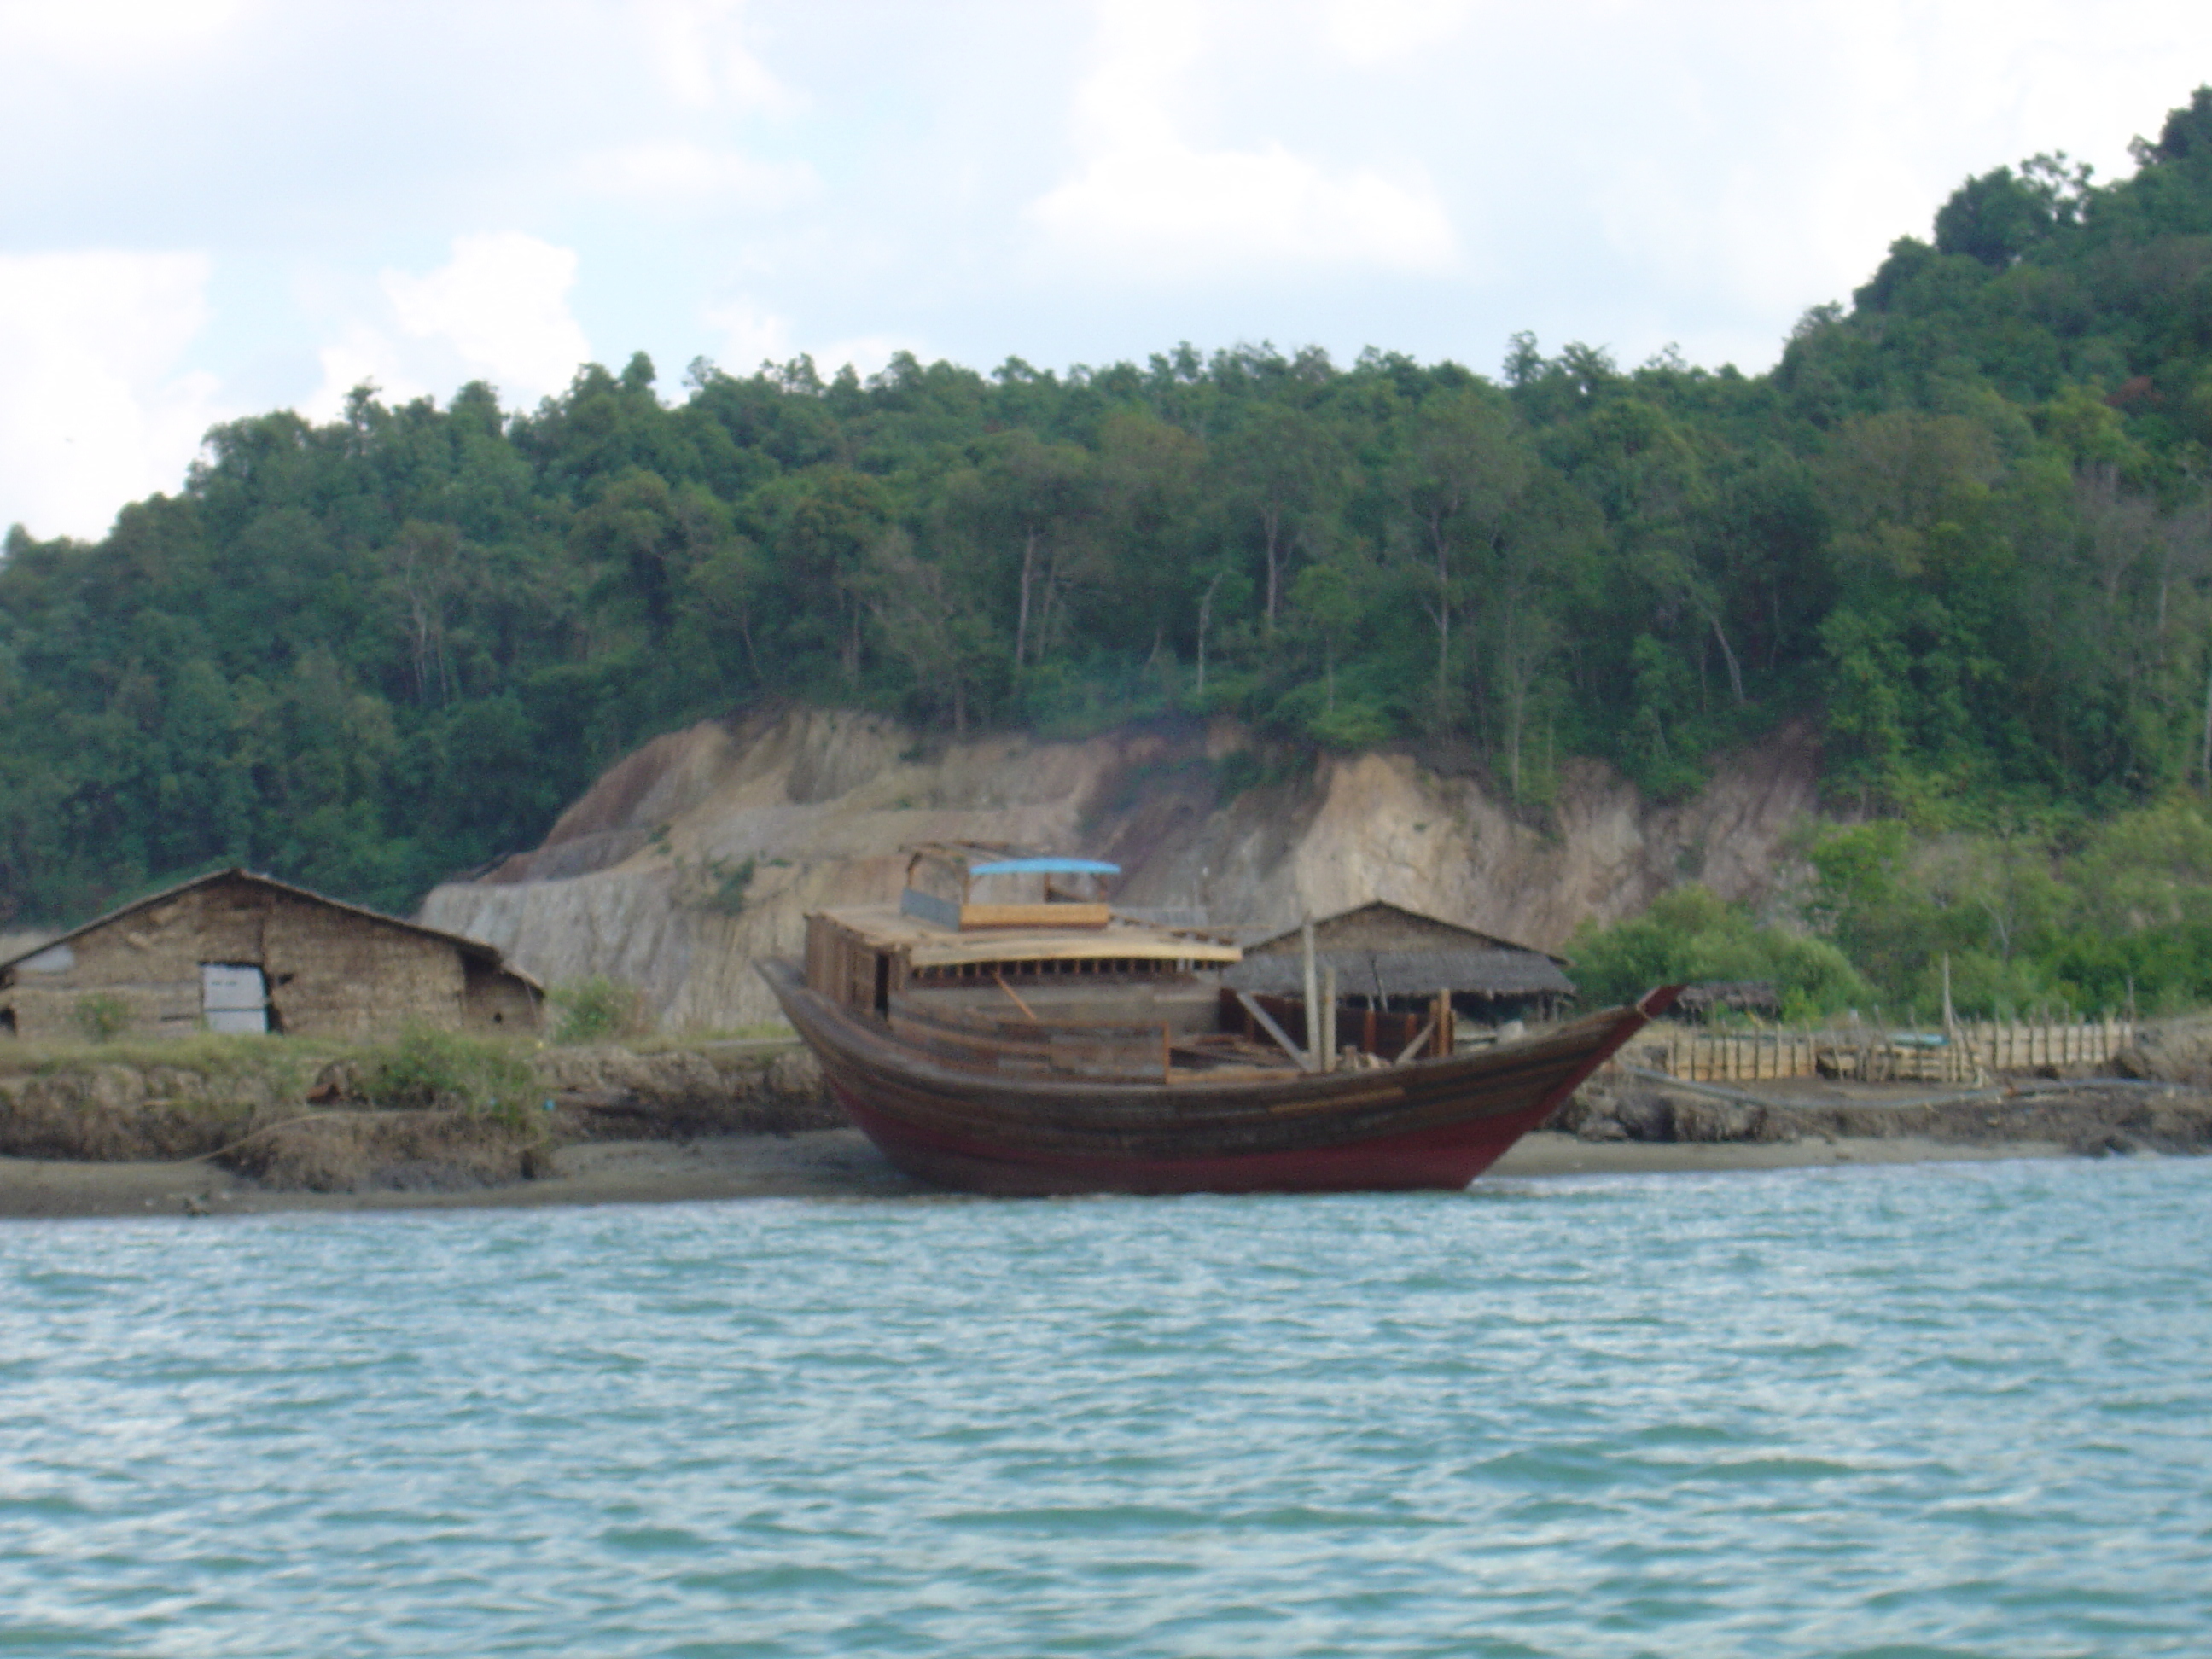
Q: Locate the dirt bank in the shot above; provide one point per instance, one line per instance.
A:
(291, 1120)
(702, 853)
(812, 1164)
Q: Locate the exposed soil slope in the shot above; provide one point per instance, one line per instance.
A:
(644, 878)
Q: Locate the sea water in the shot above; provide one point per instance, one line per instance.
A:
(1945, 1410)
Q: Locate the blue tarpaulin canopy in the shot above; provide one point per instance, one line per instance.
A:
(1045, 867)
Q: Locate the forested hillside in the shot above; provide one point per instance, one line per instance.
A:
(1964, 523)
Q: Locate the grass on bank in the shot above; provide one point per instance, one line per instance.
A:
(284, 1062)
(415, 1069)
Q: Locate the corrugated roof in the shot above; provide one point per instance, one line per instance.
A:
(475, 947)
(1407, 973)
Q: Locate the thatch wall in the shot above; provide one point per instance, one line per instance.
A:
(332, 970)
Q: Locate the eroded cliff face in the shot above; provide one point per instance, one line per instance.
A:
(642, 879)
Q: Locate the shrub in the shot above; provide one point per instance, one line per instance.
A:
(731, 881)
(445, 1070)
(102, 1017)
(596, 1009)
(1690, 934)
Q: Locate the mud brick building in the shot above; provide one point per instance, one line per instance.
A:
(235, 951)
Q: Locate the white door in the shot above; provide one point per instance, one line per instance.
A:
(233, 997)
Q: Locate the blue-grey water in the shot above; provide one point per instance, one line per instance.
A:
(1949, 1410)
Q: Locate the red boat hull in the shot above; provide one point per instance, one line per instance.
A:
(1445, 1157)
(1437, 1123)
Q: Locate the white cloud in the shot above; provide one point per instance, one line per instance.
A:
(94, 408)
(1755, 197)
(502, 307)
(1068, 183)
(751, 336)
(1167, 210)
(497, 311)
(361, 358)
(700, 48)
(867, 354)
(1374, 31)
(107, 27)
(691, 175)
(1147, 200)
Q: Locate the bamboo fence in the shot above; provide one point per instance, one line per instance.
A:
(1968, 1054)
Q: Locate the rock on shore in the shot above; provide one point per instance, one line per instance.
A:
(2089, 1116)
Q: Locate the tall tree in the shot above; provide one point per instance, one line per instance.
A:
(1283, 468)
(1462, 467)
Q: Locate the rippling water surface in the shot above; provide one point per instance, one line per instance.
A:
(1937, 1410)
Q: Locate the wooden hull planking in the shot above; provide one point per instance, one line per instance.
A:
(1429, 1124)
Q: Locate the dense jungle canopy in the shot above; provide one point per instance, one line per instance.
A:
(1964, 524)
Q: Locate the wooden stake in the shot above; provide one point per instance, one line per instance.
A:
(1313, 999)
(1328, 1018)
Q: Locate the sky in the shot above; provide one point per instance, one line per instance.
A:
(215, 208)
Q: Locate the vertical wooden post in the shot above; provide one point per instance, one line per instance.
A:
(1312, 1002)
(1328, 1018)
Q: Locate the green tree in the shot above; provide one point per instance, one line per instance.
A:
(1461, 469)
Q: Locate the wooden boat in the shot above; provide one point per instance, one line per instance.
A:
(993, 1046)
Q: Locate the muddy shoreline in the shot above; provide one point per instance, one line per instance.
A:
(840, 1163)
(821, 1164)
(615, 1127)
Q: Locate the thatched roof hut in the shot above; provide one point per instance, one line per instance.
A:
(1394, 954)
(236, 951)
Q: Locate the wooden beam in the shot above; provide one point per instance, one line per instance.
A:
(1019, 1003)
(1267, 1025)
(1328, 1054)
(1034, 915)
(1420, 1037)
